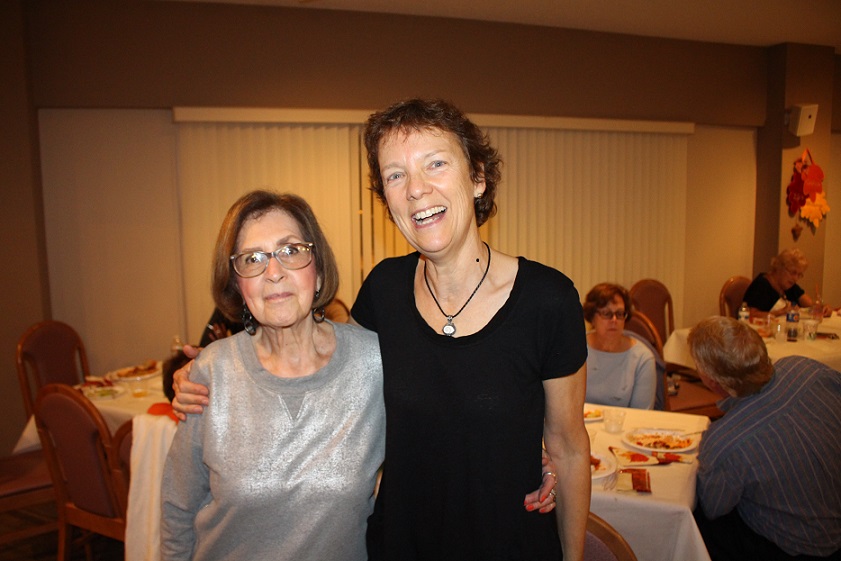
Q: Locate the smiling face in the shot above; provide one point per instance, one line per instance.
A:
(428, 188)
(279, 297)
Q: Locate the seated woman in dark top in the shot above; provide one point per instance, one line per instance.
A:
(777, 290)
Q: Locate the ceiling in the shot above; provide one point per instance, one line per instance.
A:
(742, 22)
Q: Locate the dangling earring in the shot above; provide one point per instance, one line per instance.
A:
(248, 320)
(318, 314)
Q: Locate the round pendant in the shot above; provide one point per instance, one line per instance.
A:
(449, 330)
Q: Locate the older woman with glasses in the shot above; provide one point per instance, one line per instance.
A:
(283, 463)
(777, 291)
(621, 371)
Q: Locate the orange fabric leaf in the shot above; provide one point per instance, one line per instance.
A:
(162, 409)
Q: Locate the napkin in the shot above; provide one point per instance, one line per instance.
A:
(669, 457)
(633, 480)
(629, 458)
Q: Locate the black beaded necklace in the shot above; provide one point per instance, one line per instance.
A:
(450, 329)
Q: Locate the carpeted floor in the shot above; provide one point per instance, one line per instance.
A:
(45, 547)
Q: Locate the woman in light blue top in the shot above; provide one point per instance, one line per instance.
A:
(621, 371)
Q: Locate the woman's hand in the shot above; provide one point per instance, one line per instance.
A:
(217, 331)
(189, 397)
(543, 500)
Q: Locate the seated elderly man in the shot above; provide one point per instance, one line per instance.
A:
(769, 477)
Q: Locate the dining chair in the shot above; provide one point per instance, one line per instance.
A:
(78, 448)
(652, 298)
(25, 483)
(337, 311)
(604, 543)
(49, 352)
(120, 461)
(732, 295)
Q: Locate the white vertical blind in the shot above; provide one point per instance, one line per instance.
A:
(218, 162)
(599, 206)
(610, 211)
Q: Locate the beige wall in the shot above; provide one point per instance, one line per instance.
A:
(163, 54)
(720, 215)
(23, 275)
(102, 54)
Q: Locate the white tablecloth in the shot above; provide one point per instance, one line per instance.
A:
(827, 351)
(658, 526)
(151, 438)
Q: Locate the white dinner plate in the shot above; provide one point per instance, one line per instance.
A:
(646, 439)
(607, 465)
(102, 393)
(122, 374)
(628, 458)
(593, 414)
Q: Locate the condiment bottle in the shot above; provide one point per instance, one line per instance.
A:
(744, 313)
(792, 324)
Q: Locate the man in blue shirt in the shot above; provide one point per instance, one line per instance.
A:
(769, 477)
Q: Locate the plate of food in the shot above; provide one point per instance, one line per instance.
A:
(661, 440)
(601, 465)
(144, 371)
(100, 392)
(593, 414)
(630, 458)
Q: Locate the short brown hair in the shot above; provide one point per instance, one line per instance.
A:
(436, 114)
(731, 353)
(254, 205)
(603, 294)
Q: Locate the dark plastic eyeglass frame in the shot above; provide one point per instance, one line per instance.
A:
(609, 315)
(306, 246)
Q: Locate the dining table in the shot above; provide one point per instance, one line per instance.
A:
(152, 431)
(826, 348)
(115, 411)
(658, 525)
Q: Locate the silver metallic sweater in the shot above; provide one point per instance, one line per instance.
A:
(277, 468)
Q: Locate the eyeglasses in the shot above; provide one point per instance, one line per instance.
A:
(291, 256)
(620, 315)
(794, 273)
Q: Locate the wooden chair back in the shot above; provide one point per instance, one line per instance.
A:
(120, 461)
(604, 543)
(78, 447)
(639, 325)
(652, 298)
(732, 295)
(49, 352)
(337, 311)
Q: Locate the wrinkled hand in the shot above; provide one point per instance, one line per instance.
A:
(543, 500)
(189, 397)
